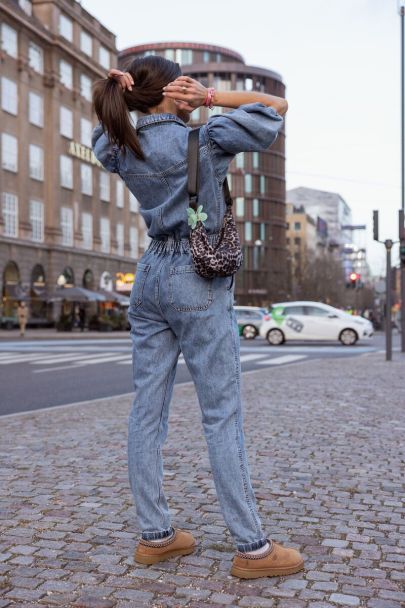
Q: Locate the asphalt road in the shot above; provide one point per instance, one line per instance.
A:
(44, 373)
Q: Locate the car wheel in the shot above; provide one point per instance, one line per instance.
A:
(249, 332)
(348, 337)
(275, 337)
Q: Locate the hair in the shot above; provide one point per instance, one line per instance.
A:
(113, 105)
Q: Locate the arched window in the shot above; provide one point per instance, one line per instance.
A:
(11, 283)
(88, 279)
(67, 278)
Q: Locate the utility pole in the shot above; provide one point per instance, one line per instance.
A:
(401, 10)
(388, 243)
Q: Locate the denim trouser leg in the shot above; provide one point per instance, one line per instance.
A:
(155, 354)
(210, 345)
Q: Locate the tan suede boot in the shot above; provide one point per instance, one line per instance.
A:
(181, 543)
(277, 561)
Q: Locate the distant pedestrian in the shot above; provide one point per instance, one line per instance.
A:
(22, 315)
(174, 309)
(82, 318)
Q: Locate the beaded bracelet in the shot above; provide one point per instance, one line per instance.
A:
(210, 98)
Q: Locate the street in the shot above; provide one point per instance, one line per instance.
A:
(44, 373)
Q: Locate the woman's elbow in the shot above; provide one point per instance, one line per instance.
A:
(282, 107)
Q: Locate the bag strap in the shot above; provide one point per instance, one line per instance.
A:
(193, 159)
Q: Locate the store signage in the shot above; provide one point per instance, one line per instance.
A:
(124, 281)
(83, 153)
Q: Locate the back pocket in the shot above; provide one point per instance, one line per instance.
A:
(139, 283)
(187, 290)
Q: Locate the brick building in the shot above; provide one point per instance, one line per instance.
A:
(257, 180)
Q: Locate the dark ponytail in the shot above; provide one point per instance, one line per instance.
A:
(113, 105)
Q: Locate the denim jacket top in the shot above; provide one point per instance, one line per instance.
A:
(160, 181)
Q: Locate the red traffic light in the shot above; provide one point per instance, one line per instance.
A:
(354, 276)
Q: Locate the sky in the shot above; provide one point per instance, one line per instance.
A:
(340, 62)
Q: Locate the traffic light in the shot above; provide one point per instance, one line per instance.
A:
(402, 253)
(354, 278)
(375, 225)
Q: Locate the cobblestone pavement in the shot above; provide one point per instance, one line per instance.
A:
(325, 441)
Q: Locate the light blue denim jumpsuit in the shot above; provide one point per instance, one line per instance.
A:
(173, 310)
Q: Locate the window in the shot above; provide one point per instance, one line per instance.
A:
(293, 310)
(85, 86)
(184, 56)
(26, 6)
(169, 54)
(315, 311)
(229, 178)
(120, 193)
(66, 27)
(120, 238)
(104, 57)
(104, 185)
(255, 160)
(105, 234)
(133, 242)
(66, 122)
(240, 160)
(248, 231)
(9, 101)
(10, 214)
(66, 172)
(256, 207)
(240, 206)
(297, 225)
(206, 57)
(9, 152)
(262, 184)
(297, 240)
(36, 109)
(36, 162)
(66, 225)
(87, 230)
(66, 74)
(36, 58)
(86, 43)
(262, 232)
(133, 203)
(86, 178)
(37, 220)
(9, 40)
(86, 129)
(248, 183)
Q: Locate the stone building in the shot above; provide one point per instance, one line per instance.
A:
(63, 219)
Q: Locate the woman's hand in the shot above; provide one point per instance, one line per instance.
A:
(123, 78)
(188, 93)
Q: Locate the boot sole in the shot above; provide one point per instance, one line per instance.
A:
(154, 559)
(250, 573)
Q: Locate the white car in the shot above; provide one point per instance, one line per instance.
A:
(313, 321)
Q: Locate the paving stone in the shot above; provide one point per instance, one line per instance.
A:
(344, 600)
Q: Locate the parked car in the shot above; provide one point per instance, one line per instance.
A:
(313, 321)
(8, 322)
(250, 319)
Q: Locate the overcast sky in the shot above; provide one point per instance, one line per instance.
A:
(340, 62)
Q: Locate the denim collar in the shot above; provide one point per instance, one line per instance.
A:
(150, 119)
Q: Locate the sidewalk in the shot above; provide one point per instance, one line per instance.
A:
(325, 442)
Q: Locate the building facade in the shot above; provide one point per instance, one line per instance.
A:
(64, 220)
(257, 179)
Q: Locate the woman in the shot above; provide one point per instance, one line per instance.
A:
(173, 309)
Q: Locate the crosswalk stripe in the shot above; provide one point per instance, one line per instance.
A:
(100, 360)
(71, 357)
(252, 357)
(19, 359)
(282, 360)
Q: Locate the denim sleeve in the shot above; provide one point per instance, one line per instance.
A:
(252, 127)
(104, 151)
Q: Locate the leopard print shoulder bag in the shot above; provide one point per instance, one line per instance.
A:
(225, 257)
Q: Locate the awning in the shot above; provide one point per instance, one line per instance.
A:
(76, 294)
(113, 296)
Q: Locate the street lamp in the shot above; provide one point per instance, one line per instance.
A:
(401, 10)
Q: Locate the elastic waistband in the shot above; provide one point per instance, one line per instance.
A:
(170, 244)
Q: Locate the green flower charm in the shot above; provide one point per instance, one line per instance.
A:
(195, 216)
